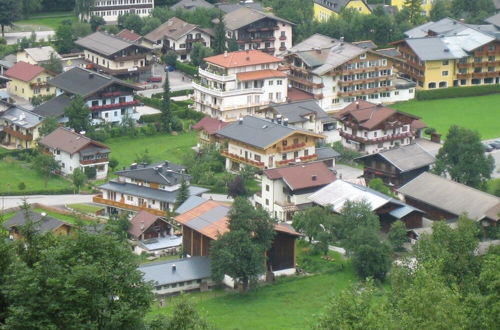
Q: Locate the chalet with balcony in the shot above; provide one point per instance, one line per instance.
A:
(285, 189)
(110, 100)
(42, 224)
(207, 129)
(73, 150)
(115, 56)
(255, 29)
(264, 144)
(140, 187)
(27, 80)
(397, 166)
(337, 73)
(370, 128)
(232, 85)
(204, 223)
(19, 128)
(178, 36)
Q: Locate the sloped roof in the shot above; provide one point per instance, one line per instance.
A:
(406, 158)
(54, 107)
(244, 16)
(298, 111)
(393, 52)
(336, 5)
(21, 117)
(42, 54)
(452, 196)
(242, 58)
(302, 176)
(495, 19)
(42, 224)
(24, 71)
(260, 74)
(174, 28)
(164, 173)
(187, 269)
(230, 7)
(210, 125)
(190, 203)
(104, 43)
(66, 140)
(141, 222)
(191, 5)
(128, 35)
(366, 44)
(295, 94)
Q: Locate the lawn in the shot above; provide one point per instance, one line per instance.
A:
(479, 113)
(160, 147)
(63, 217)
(47, 20)
(85, 208)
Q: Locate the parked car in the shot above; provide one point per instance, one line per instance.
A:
(495, 144)
(169, 68)
(488, 147)
(154, 79)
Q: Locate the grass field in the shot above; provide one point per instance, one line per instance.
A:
(63, 217)
(48, 20)
(480, 113)
(85, 208)
(160, 147)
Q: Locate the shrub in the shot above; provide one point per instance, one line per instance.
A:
(453, 92)
(90, 172)
(346, 155)
(150, 118)
(61, 191)
(176, 124)
(186, 68)
(21, 186)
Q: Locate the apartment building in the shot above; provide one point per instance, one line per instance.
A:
(337, 73)
(235, 84)
(449, 53)
(324, 9)
(111, 9)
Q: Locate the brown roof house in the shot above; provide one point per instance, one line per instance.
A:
(204, 223)
(285, 190)
(151, 233)
(207, 127)
(73, 150)
(41, 222)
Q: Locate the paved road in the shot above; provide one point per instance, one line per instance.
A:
(50, 200)
(13, 37)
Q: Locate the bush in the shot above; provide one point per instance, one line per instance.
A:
(174, 93)
(176, 124)
(150, 118)
(453, 92)
(346, 155)
(62, 191)
(186, 68)
(90, 172)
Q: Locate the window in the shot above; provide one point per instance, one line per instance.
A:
(444, 73)
(270, 96)
(271, 82)
(446, 62)
(491, 58)
(491, 47)
(284, 143)
(478, 59)
(335, 101)
(267, 187)
(432, 85)
(283, 156)
(279, 82)
(278, 96)
(491, 69)
(130, 198)
(267, 201)
(257, 157)
(478, 70)
(106, 115)
(306, 152)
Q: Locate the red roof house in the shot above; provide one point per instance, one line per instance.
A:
(28, 80)
(207, 128)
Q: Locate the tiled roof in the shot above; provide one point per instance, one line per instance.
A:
(210, 125)
(24, 71)
(242, 58)
(295, 94)
(128, 35)
(261, 74)
(302, 176)
(141, 222)
(69, 141)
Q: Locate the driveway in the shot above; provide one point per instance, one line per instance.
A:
(178, 81)
(49, 200)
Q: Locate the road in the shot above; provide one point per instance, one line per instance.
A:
(13, 37)
(50, 200)
(177, 81)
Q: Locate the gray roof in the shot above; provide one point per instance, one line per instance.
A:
(84, 82)
(191, 4)
(495, 19)
(244, 16)
(230, 7)
(6, 64)
(452, 196)
(190, 203)
(406, 158)
(159, 243)
(54, 107)
(187, 269)
(296, 112)
(367, 44)
(43, 224)
(164, 173)
(393, 52)
(174, 28)
(104, 43)
(42, 54)
(21, 117)
(146, 192)
(255, 131)
(326, 153)
(497, 4)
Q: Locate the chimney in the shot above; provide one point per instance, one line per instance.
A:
(357, 104)
(174, 268)
(166, 163)
(314, 177)
(142, 225)
(285, 122)
(278, 119)
(225, 53)
(133, 166)
(240, 121)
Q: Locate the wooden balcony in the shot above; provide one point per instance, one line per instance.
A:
(305, 82)
(262, 28)
(361, 139)
(100, 200)
(367, 69)
(286, 162)
(294, 146)
(94, 161)
(12, 132)
(130, 57)
(115, 105)
(241, 159)
(366, 80)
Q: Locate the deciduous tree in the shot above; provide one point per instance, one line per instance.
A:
(371, 257)
(10, 10)
(46, 165)
(78, 114)
(78, 178)
(54, 64)
(83, 8)
(96, 22)
(313, 221)
(397, 235)
(49, 125)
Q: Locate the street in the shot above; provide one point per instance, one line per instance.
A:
(13, 37)
(50, 200)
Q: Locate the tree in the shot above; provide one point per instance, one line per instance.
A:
(440, 9)
(166, 111)
(96, 22)
(7, 258)
(45, 165)
(198, 53)
(49, 125)
(312, 221)
(78, 178)
(113, 163)
(462, 157)
(83, 8)
(414, 8)
(171, 58)
(355, 216)
(232, 44)
(143, 158)
(219, 44)
(64, 38)
(378, 185)
(149, 24)
(370, 256)
(54, 64)
(31, 6)
(118, 225)
(397, 235)
(132, 22)
(90, 172)
(182, 194)
(236, 187)
(78, 114)
(10, 11)
(184, 316)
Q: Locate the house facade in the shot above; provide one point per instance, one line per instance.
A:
(255, 29)
(207, 129)
(72, 150)
(426, 5)
(19, 128)
(324, 9)
(143, 187)
(235, 84)
(337, 73)
(28, 80)
(37, 55)
(371, 128)
(111, 9)
(263, 144)
(284, 190)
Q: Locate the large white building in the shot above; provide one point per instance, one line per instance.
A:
(235, 84)
(111, 9)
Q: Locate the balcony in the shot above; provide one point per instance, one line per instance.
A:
(220, 93)
(282, 38)
(41, 84)
(263, 28)
(94, 161)
(115, 105)
(100, 200)
(112, 94)
(12, 132)
(294, 146)
(215, 76)
(240, 159)
(367, 69)
(121, 71)
(305, 82)
(282, 48)
(367, 91)
(361, 139)
(366, 80)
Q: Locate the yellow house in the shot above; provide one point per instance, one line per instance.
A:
(323, 9)
(28, 80)
(426, 5)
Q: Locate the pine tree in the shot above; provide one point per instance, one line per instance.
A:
(232, 44)
(414, 8)
(182, 194)
(166, 112)
(219, 45)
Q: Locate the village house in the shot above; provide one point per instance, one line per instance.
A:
(37, 55)
(131, 36)
(426, 5)
(263, 144)
(370, 128)
(397, 166)
(449, 53)
(152, 188)
(228, 7)
(177, 276)
(153, 234)
(41, 224)
(111, 9)
(235, 84)
(115, 56)
(179, 36)
(255, 29)
(284, 190)
(204, 223)
(19, 128)
(110, 100)
(191, 5)
(388, 209)
(72, 150)
(336, 73)
(444, 199)
(207, 128)
(324, 9)
(28, 80)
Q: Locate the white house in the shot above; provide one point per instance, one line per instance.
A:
(235, 84)
(37, 55)
(72, 150)
(111, 9)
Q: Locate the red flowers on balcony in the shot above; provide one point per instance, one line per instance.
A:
(295, 146)
(110, 94)
(114, 105)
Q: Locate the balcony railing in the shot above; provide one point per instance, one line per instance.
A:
(112, 94)
(366, 80)
(367, 69)
(100, 200)
(17, 134)
(294, 146)
(215, 76)
(240, 159)
(376, 140)
(263, 28)
(367, 91)
(219, 93)
(115, 105)
(93, 161)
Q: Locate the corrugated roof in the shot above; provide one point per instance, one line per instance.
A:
(187, 269)
(242, 58)
(406, 158)
(24, 71)
(298, 177)
(245, 16)
(66, 140)
(260, 74)
(190, 203)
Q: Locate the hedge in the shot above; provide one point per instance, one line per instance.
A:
(17, 153)
(452, 92)
(174, 93)
(186, 68)
(63, 191)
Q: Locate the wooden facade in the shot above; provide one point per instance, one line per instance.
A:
(432, 212)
